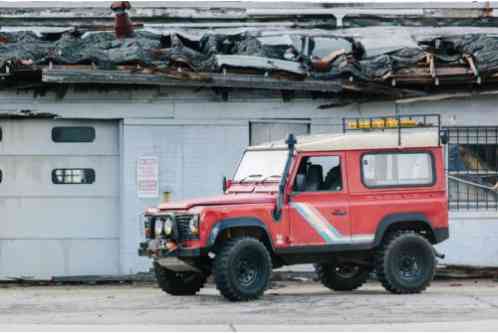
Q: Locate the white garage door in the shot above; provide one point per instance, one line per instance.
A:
(59, 197)
(261, 132)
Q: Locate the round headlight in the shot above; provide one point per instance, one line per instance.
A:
(168, 225)
(194, 224)
(158, 227)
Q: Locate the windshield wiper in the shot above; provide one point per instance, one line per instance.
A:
(250, 176)
(272, 176)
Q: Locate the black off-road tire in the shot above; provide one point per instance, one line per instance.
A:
(393, 262)
(178, 283)
(242, 269)
(342, 277)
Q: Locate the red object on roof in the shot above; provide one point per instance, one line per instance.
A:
(122, 24)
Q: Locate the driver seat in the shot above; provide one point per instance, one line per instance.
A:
(314, 178)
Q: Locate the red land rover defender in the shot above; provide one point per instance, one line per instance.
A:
(372, 199)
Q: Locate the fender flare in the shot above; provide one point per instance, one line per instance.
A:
(236, 222)
(391, 219)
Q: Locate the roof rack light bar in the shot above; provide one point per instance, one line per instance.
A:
(398, 122)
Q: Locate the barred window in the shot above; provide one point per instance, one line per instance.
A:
(472, 167)
(73, 176)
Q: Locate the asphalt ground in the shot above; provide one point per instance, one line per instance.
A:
(456, 305)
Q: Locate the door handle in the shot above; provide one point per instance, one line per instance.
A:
(339, 212)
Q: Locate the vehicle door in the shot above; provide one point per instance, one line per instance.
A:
(319, 204)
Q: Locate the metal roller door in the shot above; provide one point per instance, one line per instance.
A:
(267, 131)
(59, 197)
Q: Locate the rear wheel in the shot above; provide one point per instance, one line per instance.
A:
(242, 269)
(178, 283)
(405, 263)
(342, 276)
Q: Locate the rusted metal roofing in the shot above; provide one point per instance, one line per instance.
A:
(270, 49)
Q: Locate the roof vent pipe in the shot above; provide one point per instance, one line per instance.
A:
(122, 23)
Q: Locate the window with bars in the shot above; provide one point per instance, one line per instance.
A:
(473, 167)
(73, 176)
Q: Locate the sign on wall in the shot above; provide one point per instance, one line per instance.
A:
(148, 177)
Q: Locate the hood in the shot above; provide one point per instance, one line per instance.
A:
(227, 199)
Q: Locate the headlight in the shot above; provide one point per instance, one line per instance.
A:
(194, 224)
(168, 225)
(158, 227)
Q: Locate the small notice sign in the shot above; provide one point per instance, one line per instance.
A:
(148, 177)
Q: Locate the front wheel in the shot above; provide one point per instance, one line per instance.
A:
(405, 263)
(342, 276)
(242, 269)
(178, 283)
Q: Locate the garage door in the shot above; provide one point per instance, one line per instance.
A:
(59, 197)
(268, 131)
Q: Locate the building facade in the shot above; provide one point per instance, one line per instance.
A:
(81, 159)
(70, 202)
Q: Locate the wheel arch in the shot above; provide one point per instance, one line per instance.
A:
(240, 226)
(404, 221)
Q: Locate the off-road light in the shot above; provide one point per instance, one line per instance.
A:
(194, 224)
(168, 225)
(380, 123)
(158, 227)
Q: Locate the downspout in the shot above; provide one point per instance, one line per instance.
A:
(291, 143)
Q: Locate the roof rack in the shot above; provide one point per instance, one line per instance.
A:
(395, 122)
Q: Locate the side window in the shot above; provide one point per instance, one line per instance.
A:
(73, 176)
(397, 169)
(319, 173)
(73, 134)
(1, 176)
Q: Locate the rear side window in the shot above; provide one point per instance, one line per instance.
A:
(73, 134)
(73, 176)
(397, 169)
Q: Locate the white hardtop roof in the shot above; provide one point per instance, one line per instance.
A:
(410, 138)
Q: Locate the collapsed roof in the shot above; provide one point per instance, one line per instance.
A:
(387, 62)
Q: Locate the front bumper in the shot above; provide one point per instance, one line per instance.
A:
(147, 249)
(178, 260)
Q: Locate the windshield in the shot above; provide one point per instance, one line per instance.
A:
(257, 165)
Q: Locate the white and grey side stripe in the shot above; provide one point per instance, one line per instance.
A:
(327, 231)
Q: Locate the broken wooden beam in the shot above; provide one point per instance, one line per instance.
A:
(208, 80)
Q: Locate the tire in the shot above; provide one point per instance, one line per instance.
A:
(242, 269)
(342, 277)
(405, 263)
(178, 283)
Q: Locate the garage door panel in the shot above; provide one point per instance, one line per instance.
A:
(43, 259)
(34, 137)
(32, 176)
(59, 217)
(262, 132)
(49, 229)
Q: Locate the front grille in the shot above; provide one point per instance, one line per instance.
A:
(182, 226)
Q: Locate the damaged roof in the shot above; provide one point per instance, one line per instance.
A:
(395, 61)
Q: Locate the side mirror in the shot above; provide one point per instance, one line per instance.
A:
(300, 184)
(226, 183)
